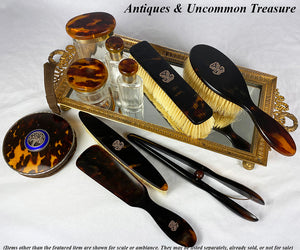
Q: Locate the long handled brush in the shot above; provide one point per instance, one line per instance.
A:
(210, 69)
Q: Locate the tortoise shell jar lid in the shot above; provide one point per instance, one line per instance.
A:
(95, 25)
(39, 144)
(87, 75)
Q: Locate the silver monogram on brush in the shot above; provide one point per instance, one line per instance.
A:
(166, 76)
(217, 68)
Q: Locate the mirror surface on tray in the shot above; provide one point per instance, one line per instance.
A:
(242, 126)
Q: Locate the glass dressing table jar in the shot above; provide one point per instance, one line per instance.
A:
(89, 32)
(88, 77)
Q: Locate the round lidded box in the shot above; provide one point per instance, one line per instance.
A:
(87, 75)
(95, 25)
(89, 32)
(38, 145)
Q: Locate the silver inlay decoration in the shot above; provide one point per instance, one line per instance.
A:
(216, 68)
(118, 145)
(166, 76)
(173, 225)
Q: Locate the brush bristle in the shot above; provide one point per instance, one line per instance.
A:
(171, 112)
(225, 110)
(222, 121)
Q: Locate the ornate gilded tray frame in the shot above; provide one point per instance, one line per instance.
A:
(57, 94)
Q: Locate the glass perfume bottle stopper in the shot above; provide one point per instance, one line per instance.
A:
(128, 68)
(115, 47)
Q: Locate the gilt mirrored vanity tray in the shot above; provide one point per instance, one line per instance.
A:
(262, 88)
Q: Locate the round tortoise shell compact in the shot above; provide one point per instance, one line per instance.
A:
(39, 144)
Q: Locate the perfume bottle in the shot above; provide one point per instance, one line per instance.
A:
(89, 32)
(131, 89)
(115, 47)
(88, 77)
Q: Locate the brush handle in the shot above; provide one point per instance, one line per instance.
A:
(171, 224)
(237, 141)
(273, 133)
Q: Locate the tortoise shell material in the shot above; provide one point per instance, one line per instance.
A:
(128, 67)
(124, 151)
(39, 144)
(223, 77)
(98, 164)
(91, 26)
(178, 90)
(87, 75)
(114, 44)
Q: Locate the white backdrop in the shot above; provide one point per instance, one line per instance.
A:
(68, 208)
